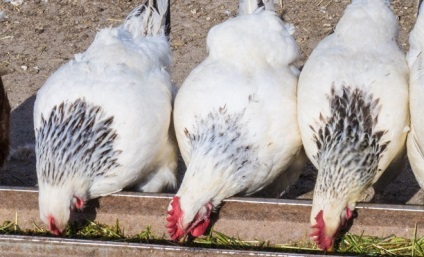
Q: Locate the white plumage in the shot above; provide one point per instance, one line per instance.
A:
(235, 116)
(102, 121)
(353, 111)
(415, 142)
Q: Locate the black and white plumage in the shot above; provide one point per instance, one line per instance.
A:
(235, 116)
(415, 142)
(348, 142)
(353, 111)
(82, 140)
(102, 121)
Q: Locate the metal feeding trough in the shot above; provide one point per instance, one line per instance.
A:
(18, 246)
(275, 220)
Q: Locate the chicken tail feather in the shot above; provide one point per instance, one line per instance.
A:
(250, 6)
(149, 19)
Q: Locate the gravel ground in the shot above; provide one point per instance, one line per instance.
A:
(40, 35)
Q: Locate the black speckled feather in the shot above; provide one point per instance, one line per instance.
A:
(224, 137)
(76, 139)
(349, 148)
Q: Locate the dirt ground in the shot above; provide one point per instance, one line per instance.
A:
(40, 35)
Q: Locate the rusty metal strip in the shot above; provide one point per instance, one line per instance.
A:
(24, 246)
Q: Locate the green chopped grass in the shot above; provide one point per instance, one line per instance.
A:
(375, 246)
(349, 243)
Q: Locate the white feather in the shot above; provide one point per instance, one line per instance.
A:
(415, 143)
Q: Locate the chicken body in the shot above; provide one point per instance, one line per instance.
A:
(353, 111)
(235, 117)
(102, 121)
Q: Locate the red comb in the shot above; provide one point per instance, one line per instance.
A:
(323, 241)
(173, 217)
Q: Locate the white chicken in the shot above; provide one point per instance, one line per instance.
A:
(353, 111)
(235, 116)
(102, 121)
(415, 142)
